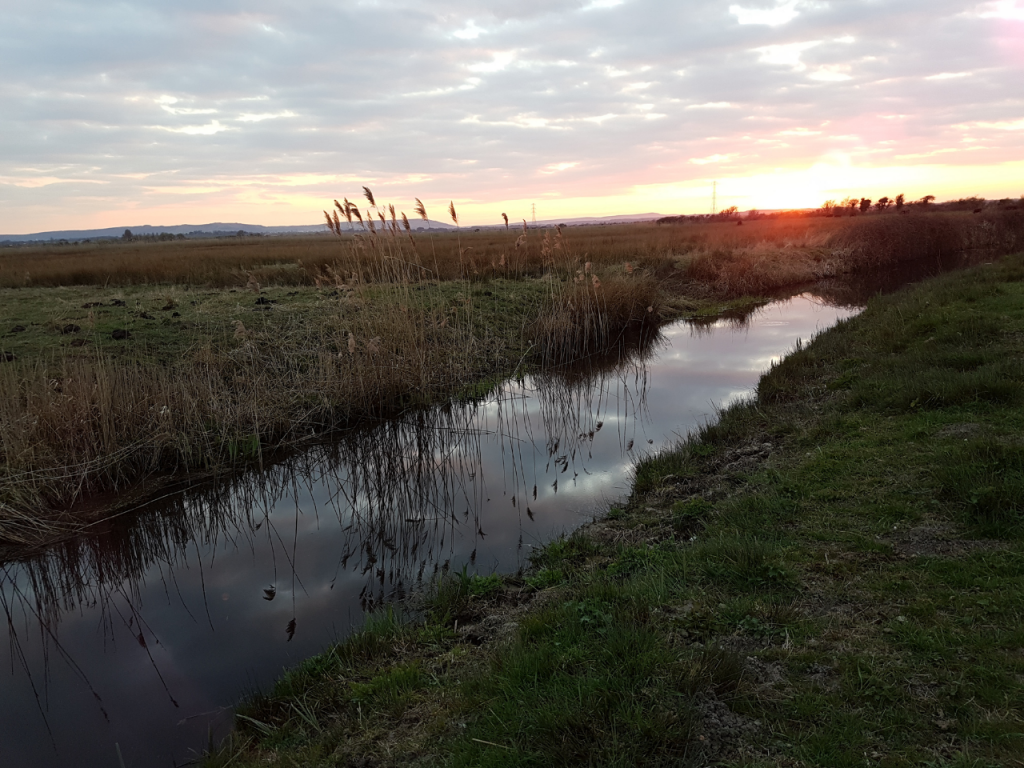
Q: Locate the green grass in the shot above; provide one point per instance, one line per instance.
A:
(853, 595)
(183, 319)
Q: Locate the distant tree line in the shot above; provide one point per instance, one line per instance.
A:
(852, 206)
(161, 237)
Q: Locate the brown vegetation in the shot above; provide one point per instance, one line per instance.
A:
(407, 318)
(74, 425)
(392, 253)
(819, 249)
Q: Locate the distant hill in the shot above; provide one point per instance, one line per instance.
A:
(216, 229)
(627, 218)
(579, 221)
(224, 229)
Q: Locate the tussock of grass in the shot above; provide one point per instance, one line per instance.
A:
(986, 479)
(587, 316)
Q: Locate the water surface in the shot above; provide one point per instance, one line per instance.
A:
(143, 635)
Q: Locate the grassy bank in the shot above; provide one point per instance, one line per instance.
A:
(112, 385)
(829, 575)
(121, 361)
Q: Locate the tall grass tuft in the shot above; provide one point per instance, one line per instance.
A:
(585, 317)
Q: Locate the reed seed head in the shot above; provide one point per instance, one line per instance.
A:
(369, 196)
(506, 221)
(419, 210)
(451, 212)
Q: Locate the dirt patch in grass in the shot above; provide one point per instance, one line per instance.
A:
(939, 539)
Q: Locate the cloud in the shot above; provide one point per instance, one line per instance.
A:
(33, 182)
(463, 99)
(556, 167)
(712, 105)
(469, 32)
(711, 159)
(209, 129)
(1003, 9)
(999, 125)
(771, 17)
(258, 117)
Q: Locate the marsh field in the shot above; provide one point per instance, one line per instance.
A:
(126, 362)
(825, 571)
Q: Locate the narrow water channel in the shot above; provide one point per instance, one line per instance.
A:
(138, 639)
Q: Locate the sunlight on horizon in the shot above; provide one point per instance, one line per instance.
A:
(278, 202)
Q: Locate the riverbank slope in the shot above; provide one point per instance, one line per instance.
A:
(829, 574)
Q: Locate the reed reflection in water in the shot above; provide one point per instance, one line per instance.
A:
(143, 634)
(140, 634)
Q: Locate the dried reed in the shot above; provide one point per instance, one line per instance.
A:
(70, 426)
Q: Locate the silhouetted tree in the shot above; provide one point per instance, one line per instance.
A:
(852, 204)
(882, 204)
(899, 201)
(865, 205)
(127, 236)
(924, 201)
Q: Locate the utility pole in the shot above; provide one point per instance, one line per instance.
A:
(533, 207)
(714, 198)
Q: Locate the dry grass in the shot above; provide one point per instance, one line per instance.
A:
(803, 249)
(586, 316)
(829, 248)
(71, 426)
(409, 326)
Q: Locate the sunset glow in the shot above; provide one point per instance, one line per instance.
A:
(190, 113)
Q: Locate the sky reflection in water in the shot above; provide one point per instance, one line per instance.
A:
(144, 635)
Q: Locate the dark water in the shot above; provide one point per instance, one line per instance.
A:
(144, 634)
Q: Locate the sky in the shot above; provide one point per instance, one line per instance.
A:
(173, 112)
